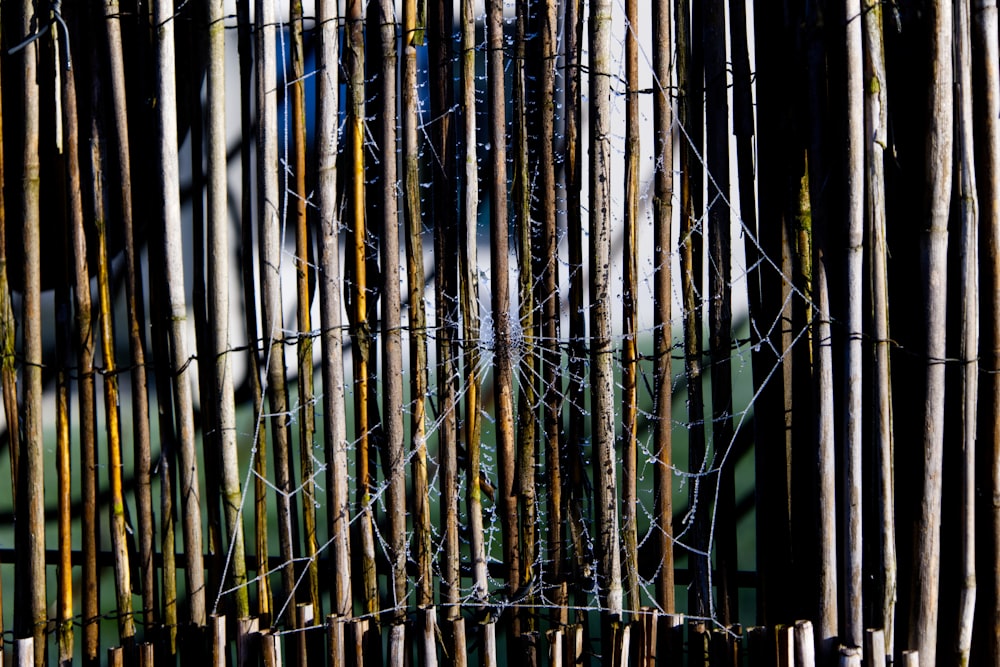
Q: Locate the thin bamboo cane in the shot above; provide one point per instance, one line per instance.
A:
(446, 267)
(330, 285)
(503, 377)
(64, 571)
(189, 485)
(876, 128)
(547, 258)
(986, 49)
(116, 520)
(259, 450)
(271, 311)
(469, 287)
(662, 298)
(630, 319)
(601, 374)
(136, 319)
(412, 38)
(30, 581)
(526, 371)
(392, 352)
(306, 418)
(218, 315)
(934, 250)
(358, 301)
(969, 339)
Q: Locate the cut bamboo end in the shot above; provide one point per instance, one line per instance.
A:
(850, 656)
(805, 646)
(335, 640)
(910, 658)
(24, 652)
(875, 648)
(217, 639)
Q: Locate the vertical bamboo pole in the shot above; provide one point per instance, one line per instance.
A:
(412, 38)
(720, 308)
(630, 318)
(446, 262)
(524, 339)
(306, 401)
(549, 300)
(689, 106)
(218, 313)
(392, 352)
(270, 278)
(876, 129)
(116, 520)
(30, 578)
(601, 373)
(136, 319)
(64, 571)
(330, 285)
(934, 250)
(985, 38)
(503, 375)
(969, 340)
(259, 449)
(188, 462)
(469, 285)
(8, 373)
(662, 297)
(852, 631)
(358, 302)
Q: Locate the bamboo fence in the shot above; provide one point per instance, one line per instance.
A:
(729, 246)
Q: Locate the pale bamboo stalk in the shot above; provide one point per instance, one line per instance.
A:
(969, 339)
(24, 651)
(447, 261)
(358, 303)
(548, 257)
(136, 319)
(988, 179)
(116, 520)
(331, 340)
(64, 571)
(934, 249)
(503, 376)
(876, 128)
(30, 580)
(306, 417)
(720, 305)
(601, 373)
(335, 628)
(469, 286)
(526, 371)
(662, 298)
(259, 449)
(218, 312)
(272, 324)
(805, 649)
(392, 344)
(852, 632)
(190, 491)
(412, 39)
(910, 658)
(850, 656)
(630, 319)
(875, 642)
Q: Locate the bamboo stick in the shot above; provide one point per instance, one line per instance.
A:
(555, 640)
(247, 638)
(910, 658)
(876, 127)
(503, 378)
(218, 315)
(459, 655)
(306, 399)
(217, 640)
(875, 653)
(270, 262)
(259, 448)
(662, 298)
(189, 484)
(30, 581)
(116, 656)
(787, 645)
(630, 319)
(850, 656)
(24, 652)
(335, 640)
(412, 39)
(805, 649)
(117, 519)
(601, 374)
(358, 302)
(969, 339)
(853, 626)
(392, 360)
(988, 178)
(330, 285)
(64, 570)
(934, 250)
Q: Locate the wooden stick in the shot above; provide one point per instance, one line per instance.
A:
(217, 640)
(805, 652)
(875, 654)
